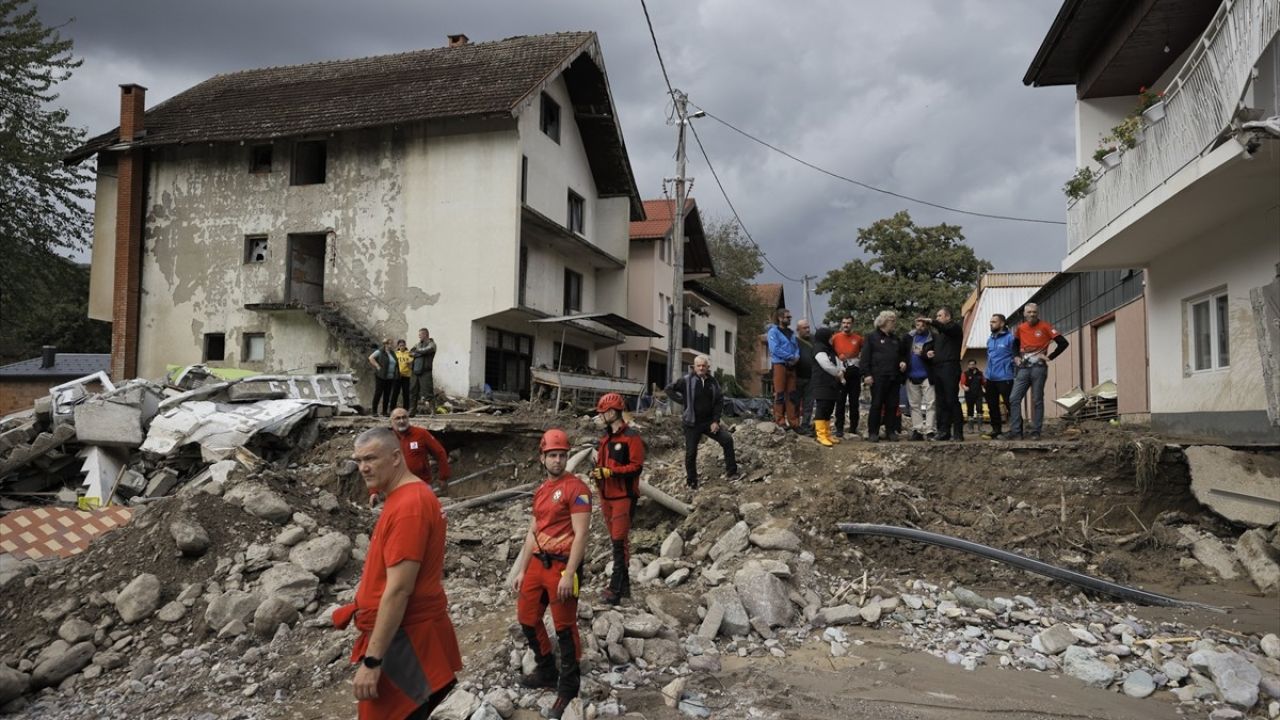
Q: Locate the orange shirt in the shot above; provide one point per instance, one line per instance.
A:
(847, 347)
(555, 503)
(415, 443)
(1032, 339)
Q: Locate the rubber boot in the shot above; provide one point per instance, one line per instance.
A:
(544, 674)
(823, 432)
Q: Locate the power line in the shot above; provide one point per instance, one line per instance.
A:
(867, 186)
(671, 91)
(733, 209)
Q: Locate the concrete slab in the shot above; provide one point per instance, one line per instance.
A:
(109, 423)
(1240, 486)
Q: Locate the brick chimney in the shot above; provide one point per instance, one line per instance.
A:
(459, 40)
(127, 285)
(48, 357)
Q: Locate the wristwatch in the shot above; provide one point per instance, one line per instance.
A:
(371, 662)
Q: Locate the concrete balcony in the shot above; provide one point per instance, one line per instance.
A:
(1170, 171)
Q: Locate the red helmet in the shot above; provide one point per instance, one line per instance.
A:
(610, 401)
(554, 439)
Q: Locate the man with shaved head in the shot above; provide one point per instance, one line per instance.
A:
(407, 650)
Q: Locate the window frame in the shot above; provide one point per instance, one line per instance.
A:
(210, 338)
(294, 180)
(1217, 335)
(249, 241)
(711, 336)
(573, 201)
(572, 278)
(549, 118)
(256, 167)
(246, 343)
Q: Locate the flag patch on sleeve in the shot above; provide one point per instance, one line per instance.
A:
(582, 500)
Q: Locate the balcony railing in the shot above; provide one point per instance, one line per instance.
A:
(695, 340)
(1200, 104)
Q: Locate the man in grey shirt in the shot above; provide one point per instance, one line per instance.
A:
(420, 382)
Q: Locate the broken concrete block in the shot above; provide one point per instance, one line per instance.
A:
(161, 482)
(1240, 486)
(1258, 559)
(104, 422)
(251, 390)
(1210, 551)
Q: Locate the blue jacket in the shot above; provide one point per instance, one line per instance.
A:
(783, 347)
(1000, 356)
(918, 363)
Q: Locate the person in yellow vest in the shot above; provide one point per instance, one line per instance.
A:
(404, 362)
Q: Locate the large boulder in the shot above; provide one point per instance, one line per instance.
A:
(13, 684)
(773, 538)
(139, 599)
(230, 606)
(735, 620)
(258, 500)
(764, 596)
(1235, 677)
(291, 583)
(1081, 664)
(1259, 559)
(63, 665)
(732, 542)
(272, 613)
(190, 536)
(322, 556)
(458, 705)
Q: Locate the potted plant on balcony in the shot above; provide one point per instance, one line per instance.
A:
(1151, 105)
(1080, 184)
(1128, 133)
(1108, 156)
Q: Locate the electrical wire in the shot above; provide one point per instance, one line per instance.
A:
(867, 186)
(666, 78)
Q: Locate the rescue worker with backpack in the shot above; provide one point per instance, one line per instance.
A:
(548, 572)
(619, 461)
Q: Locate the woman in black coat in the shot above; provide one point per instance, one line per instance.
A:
(824, 384)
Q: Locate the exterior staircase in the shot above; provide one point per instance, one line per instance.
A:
(353, 337)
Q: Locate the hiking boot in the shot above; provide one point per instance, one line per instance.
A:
(891, 437)
(557, 711)
(610, 597)
(916, 436)
(541, 678)
(1035, 436)
(873, 438)
(839, 433)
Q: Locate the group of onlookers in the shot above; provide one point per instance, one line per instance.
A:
(817, 375)
(402, 374)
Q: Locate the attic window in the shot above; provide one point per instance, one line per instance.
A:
(260, 159)
(308, 162)
(550, 118)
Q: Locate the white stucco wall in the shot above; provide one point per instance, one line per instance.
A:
(1094, 119)
(1240, 255)
(103, 252)
(723, 319)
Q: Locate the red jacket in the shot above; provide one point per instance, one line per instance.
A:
(415, 443)
(623, 453)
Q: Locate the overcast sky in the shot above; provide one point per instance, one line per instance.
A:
(922, 97)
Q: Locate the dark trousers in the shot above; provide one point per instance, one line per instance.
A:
(400, 393)
(973, 405)
(850, 394)
(437, 697)
(997, 391)
(884, 404)
(422, 386)
(822, 408)
(805, 388)
(693, 435)
(383, 389)
(950, 414)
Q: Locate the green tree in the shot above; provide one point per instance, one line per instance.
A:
(42, 200)
(911, 269)
(737, 261)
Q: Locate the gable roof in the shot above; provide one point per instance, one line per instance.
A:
(771, 294)
(657, 225)
(475, 80)
(712, 295)
(66, 365)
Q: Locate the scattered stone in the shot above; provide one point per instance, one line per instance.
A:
(190, 536)
(839, 615)
(1139, 684)
(662, 653)
(229, 606)
(1235, 677)
(458, 705)
(710, 626)
(1226, 714)
(233, 629)
(1271, 645)
(290, 582)
(732, 542)
(970, 599)
(272, 613)
(291, 535)
(642, 625)
(75, 630)
(772, 538)
(764, 596)
(64, 665)
(1054, 640)
(870, 613)
(13, 684)
(735, 620)
(172, 612)
(677, 577)
(139, 599)
(673, 691)
(322, 556)
(672, 547)
(1081, 664)
(1175, 671)
(261, 502)
(1211, 553)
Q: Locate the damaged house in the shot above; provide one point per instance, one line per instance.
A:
(287, 218)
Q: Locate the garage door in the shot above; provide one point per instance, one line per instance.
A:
(1104, 348)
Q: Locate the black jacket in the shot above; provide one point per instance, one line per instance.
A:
(682, 391)
(824, 386)
(807, 367)
(948, 343)
(881, 354)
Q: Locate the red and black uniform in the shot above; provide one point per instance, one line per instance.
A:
(622, 454)
(555, 503)
(415, 444)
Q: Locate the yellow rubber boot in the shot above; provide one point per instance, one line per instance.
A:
(822, 431)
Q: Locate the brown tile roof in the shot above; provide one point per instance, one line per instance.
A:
(489, 79)
(1017, 279)
(771, 294)
(657, 224)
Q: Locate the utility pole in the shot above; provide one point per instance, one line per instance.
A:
(675, 320)
(808, 306)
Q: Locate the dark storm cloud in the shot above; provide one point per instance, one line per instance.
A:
(922, 97)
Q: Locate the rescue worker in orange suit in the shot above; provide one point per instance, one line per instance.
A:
(619, 461)
(407, 650)
(547, 572)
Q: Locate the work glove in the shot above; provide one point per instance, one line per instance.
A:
(601, 473)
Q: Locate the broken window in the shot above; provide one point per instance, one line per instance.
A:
(327, 369)
(572, 292)
(308, 162)
(570, 357)
(508, 358)
(215, 347)
(550, 120)
(255, 347)
(260, 159)
(1207, 326)
(577, 214)
(255, 248)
